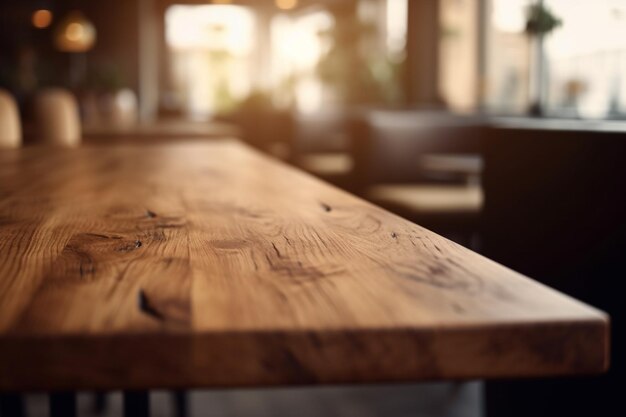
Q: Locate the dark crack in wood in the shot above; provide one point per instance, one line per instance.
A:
(101, 236)
(146, 307)
(276, 250)
(130, 246)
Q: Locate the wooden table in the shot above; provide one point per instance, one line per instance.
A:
(158, 131)
(211, 265)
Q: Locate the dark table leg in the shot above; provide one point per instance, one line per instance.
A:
(11, 405)
(136, 404)
(100, 402)
(63, 404)
(180, 402)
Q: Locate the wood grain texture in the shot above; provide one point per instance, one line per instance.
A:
(203, 265)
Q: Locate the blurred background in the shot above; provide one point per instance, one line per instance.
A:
(201, 59)
(496, 123)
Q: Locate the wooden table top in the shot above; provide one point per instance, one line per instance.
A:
(211, 265)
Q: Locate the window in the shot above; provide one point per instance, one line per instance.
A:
(586, 59)
(211, 55)
(579, 70)
(296, 49)
(508, 57)
(221, 54)
(458, 60)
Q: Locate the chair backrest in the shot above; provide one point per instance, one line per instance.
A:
(10, 128)
(323, 131)
(57, 117)
(388, 144)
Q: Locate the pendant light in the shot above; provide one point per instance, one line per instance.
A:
(75, 33)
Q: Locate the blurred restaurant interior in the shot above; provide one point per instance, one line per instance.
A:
(497, 124)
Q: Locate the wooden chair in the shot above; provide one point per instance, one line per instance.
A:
(57, 118)
(424, 166)
(10, 128)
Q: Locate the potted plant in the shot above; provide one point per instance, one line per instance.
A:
(540, 22)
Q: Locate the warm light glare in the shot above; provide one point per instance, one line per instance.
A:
(210, 27)
(286, 4)
(42, 18)
(74, 32)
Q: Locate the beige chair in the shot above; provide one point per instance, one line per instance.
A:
(58, 121)
(10, 128)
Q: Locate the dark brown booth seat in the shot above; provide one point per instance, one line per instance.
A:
(555, 209)
(423, 165)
